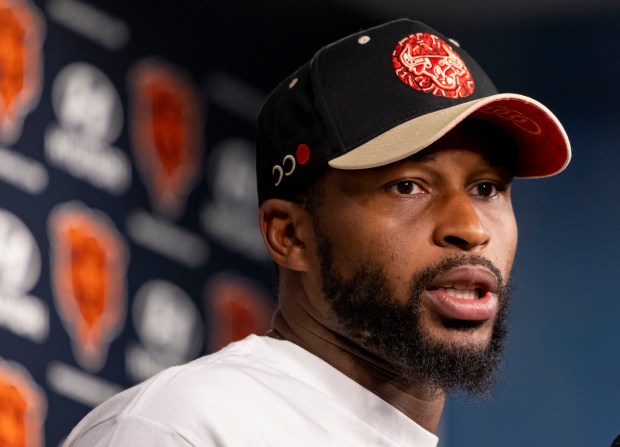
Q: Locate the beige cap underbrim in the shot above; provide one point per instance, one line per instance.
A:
(543, 148)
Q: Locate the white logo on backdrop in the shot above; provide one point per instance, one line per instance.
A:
(90, 118)
(231, 216)
(169, 326)
(20, 269)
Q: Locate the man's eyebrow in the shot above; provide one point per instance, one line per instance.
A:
(422, 156)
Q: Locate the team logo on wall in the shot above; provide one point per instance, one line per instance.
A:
(166, 132)
(20, 269)
(236, 307)
(88, 265)
(230, 217)
(90, 119)
(21, 38)
(22, 408)
(169, 326)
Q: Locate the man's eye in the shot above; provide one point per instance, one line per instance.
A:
(486, 189)
(406, 187)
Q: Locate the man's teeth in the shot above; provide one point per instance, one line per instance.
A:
(466, 294)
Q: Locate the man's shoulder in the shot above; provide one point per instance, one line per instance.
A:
(220, 372)
(250, 362)
(182, 397)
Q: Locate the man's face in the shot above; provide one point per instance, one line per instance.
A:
(414, 258)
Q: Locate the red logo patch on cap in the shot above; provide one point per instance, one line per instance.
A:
(428, 64)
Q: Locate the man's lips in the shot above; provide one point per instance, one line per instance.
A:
(465, 293)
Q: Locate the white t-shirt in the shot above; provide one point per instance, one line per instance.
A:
(256, 392)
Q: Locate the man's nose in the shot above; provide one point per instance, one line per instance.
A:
(459, 224)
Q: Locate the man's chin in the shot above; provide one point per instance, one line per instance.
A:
(468, 336)
(459, 358)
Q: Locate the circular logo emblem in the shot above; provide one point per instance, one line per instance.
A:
(428, 64)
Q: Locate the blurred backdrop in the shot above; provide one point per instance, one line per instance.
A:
(128, 240)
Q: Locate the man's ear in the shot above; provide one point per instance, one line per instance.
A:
(285, 227)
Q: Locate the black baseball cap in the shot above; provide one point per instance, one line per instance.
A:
(383, 94)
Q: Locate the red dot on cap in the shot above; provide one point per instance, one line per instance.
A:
(303, 154)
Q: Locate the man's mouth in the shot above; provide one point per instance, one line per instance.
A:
(467, 293)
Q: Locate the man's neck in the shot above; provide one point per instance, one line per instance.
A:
(417, 401)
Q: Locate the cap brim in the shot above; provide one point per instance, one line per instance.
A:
(543, 148)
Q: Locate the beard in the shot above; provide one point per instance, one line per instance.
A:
(370, 315)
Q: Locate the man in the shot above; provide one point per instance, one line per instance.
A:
(384, 173)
